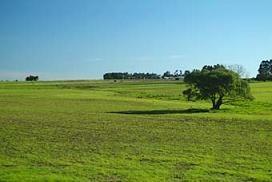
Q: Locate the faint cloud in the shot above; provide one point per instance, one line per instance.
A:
(98, 59)
(94, 59)
(144, 58)
(154, 58)
(176, 56)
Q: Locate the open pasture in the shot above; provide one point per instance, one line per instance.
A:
(131, 131)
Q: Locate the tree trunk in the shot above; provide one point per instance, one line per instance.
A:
(218, 103)
(213, 102)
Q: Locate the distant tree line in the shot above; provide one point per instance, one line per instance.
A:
(127, 76)
(32, 78)
(264, 73)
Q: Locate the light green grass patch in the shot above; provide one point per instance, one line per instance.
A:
(130, 131)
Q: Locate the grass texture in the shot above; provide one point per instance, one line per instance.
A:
(131, 131)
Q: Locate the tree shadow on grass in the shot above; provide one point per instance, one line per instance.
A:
(165, 111)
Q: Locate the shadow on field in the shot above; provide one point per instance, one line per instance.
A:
(166, 111)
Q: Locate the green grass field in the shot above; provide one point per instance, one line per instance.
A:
(131, 131)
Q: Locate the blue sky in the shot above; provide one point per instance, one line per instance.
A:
(82, 39)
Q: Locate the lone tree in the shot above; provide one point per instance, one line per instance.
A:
(216, 83)
(32, 78)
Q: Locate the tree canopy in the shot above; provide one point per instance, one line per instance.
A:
(215, 83)
(265, 71)
(32, 78)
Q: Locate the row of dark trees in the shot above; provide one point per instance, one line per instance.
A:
(127, 76)
(176, 74)
(32, 78)
(264, 73)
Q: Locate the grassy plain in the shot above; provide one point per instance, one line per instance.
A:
(131, 131)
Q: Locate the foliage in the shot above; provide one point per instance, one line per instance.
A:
(187, 72)
(239, 69)
(119, 75)
(32, 78)
(265, 71)
(132, 76)
(167, 74)
(215, 83)
(177, 75)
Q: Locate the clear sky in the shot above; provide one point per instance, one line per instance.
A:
(82, 39)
